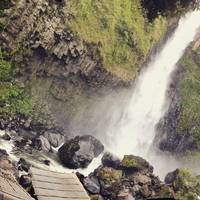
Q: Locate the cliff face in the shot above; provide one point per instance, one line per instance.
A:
(61, 72)
(179, 129)
(62, 56)
(69, 54)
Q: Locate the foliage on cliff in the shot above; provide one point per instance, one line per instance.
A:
(186, 185)
(189, 117)
(120, 29)
(12, 97)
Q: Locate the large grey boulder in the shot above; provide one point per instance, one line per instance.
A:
(80, 151)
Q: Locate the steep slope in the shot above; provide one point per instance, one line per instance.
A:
(181, 125)
(68, 53)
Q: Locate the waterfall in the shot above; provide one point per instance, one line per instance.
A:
(135, 132)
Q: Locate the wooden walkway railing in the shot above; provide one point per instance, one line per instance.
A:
(50, 185)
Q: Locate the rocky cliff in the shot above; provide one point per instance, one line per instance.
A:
(64, 58)
(179, 129)
(60, 57)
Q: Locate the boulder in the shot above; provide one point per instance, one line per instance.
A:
(20, 142)
(135, 163)
(3, 154)
(171, 176)
(23, 165)
(6, 136)
(110, 181)
(139, 178)
(25, 182)
(55, 139)
(80, 151)
(42, 144)
(91, 184)
(5, 162)
(110, 160)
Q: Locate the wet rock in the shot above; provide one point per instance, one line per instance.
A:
(91, 184)
(42, 144)
(171, 176)
(146, 191)
(5, 162)
(131, 162)
(80, 151)
(166, 192)
(26, 182)
(20, 142)
(23, 165)
(55, 139)
(47, 162)
(139, 178)
(6, 136)
(110, 160)
(110, 180)
(130, 179)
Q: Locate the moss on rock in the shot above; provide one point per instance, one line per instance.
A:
(110, 175)
(134, 162)
(186, 185)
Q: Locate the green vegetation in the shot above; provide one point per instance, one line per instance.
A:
(186, 185)
(120, 29)
(109, 175)
(134, 162)
(189, 118)
(13, 99)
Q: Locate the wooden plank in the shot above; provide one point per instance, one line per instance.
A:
(12, 189)
(5, 186)
(54, 180)
(19, 190)
(5, 196)
(61, 194)
(9, 187)
(36, 171)
(55, 186)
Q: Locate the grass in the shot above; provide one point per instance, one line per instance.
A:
(120, 29)
(13, 98)
(189, 118)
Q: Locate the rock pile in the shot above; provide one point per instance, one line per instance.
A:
(133, 178)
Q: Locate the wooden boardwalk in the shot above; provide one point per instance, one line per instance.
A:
(50, 185)
(10, 189)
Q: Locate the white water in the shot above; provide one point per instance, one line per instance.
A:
(136, 130)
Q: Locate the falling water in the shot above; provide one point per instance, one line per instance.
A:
(136, 130)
